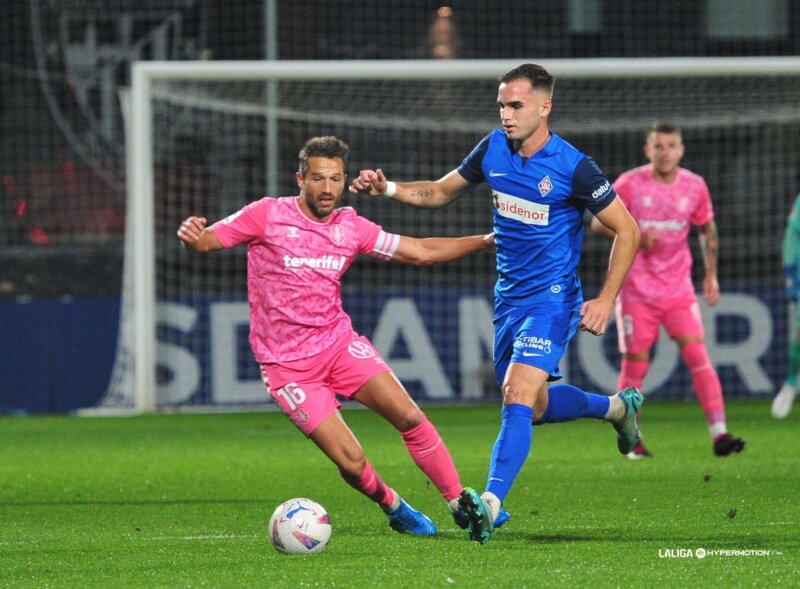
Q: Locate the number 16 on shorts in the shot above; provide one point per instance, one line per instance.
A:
(290, 397)
(291, 394)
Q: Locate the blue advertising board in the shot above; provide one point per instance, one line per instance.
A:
(439, 344)
(57, 355)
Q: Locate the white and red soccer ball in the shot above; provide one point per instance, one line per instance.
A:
(300, 526)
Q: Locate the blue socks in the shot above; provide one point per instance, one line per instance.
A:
(567, 403)
(513, 444)
(511, 449)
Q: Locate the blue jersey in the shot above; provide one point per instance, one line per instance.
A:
(539, 204)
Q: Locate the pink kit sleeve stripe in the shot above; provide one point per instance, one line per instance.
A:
(386, 245)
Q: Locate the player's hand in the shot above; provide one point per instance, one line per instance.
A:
(190, 230)
(595, 315)
(648, 240)
(711, 289)
(371, 182)
(488, 241)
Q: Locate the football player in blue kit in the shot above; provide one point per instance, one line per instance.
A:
(541, 186)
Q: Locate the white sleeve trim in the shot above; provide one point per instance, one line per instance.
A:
(385, 246)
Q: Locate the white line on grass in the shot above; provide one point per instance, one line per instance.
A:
(201, 537)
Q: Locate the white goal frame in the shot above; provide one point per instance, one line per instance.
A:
(139, 141)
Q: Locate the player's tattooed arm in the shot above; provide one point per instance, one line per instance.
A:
(432, 194)
(421, 194)
(709, 244)
(426, 193)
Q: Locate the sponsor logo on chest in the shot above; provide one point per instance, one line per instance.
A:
(324, 262)
(513, 207)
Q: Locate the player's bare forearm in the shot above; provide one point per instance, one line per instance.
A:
(623, 251)
(596, 313)
(424, 193)
(709, 245)
(435, 250)
(196, 237)
(627, 239)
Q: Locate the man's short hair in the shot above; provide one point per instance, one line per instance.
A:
(539, 77)
(667, 127)
(328, 147)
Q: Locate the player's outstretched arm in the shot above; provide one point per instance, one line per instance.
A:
(596, 313)
(425, 193)
(196, 237)
(433, 250)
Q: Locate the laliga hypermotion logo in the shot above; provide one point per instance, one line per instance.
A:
(84, 50)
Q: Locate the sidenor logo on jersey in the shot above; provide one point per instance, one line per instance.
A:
(520, 209)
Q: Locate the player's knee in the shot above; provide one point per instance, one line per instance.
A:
(409, 419)
(513, 394)
(695, 354)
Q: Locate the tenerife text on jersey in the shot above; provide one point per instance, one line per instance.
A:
(323, 262)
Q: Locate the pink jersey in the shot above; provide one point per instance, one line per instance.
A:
(668, 210)
(294, 269)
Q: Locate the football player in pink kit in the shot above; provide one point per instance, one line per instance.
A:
(666, 200)
(298, 249)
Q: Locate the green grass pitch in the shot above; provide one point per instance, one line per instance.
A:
(183, 501)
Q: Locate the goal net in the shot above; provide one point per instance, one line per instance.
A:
(205, 138)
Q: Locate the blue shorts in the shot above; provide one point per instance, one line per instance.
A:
(537, 334)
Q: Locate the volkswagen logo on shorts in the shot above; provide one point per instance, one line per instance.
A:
(360, 350)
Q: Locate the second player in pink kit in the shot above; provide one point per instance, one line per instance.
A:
(667, 201)
(298, 249)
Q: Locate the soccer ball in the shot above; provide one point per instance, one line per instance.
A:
(300, 526)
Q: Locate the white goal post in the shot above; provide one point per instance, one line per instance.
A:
(140, 362)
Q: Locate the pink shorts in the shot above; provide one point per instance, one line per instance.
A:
(306, 389)
(638, 322)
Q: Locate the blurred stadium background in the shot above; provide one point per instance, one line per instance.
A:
(66, 67)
